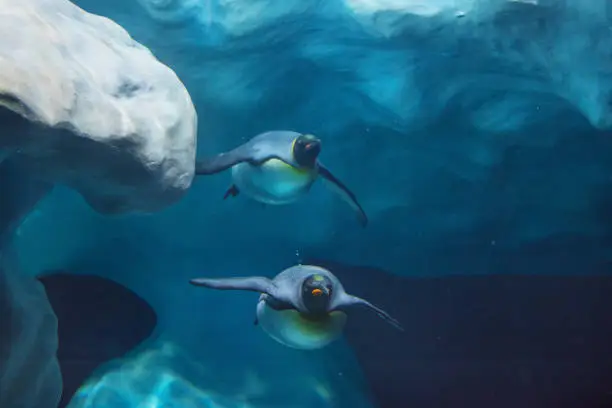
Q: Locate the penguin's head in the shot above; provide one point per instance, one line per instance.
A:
(306, 149)
(317, 293)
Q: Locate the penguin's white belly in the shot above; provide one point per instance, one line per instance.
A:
(289, 328)
(273, 182)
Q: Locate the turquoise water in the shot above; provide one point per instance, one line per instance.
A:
(476, 136)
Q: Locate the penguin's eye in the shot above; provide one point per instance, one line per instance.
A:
(317, 292)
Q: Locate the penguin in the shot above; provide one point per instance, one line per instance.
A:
(303, 307)
(278, 167)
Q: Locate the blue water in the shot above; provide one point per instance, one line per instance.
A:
(475, 134)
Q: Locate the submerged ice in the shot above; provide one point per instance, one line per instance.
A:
(92, 108)
(470, 130)
(29, 371)
(479, 124)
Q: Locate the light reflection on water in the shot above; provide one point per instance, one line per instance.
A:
(147, 380)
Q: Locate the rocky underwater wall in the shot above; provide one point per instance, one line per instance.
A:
(474, 133)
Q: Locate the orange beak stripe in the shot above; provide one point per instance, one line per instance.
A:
(317, 292)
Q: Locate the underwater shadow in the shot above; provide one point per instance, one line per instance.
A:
(501, 341)
(99, 320)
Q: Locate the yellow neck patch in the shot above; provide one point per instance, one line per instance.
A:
(298, 170)
(293, 145)
(279, 164)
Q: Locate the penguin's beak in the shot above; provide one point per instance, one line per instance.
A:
(320, 291)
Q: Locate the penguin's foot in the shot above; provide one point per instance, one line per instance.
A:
(232, 191)
(256, 321)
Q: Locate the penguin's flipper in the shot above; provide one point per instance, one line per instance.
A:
(346, 301)
(251, 152)
(347, 195)
(222, 161)
(253, 284)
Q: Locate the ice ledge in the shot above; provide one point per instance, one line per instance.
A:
(103, 115)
